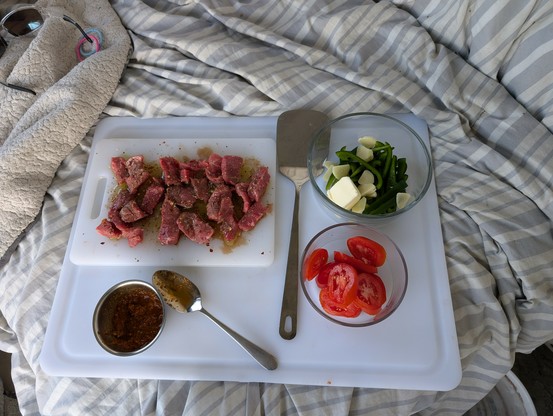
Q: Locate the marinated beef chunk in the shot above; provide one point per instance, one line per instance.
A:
(201, 188)
(119, 169)
(192, 169)
(171, 170)
(132, 212)
(214, 181)
(220, 192)
(134, 236)
(152, 196)
(182, 195)
(258, 183)
(230, 169)
(241, 190)
(122, 198)
(137, 173)
(252, 217)
(194, 227)
(213, 170)
(109, 230)
(169, 232)
(229, 228)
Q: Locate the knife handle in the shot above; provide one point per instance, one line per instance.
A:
(289, 311)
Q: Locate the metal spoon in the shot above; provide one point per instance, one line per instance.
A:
(184, 296)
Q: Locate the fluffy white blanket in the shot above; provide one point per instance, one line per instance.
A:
(38, 131)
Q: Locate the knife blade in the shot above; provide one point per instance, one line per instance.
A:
(294, 131)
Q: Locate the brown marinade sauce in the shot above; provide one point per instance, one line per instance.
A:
(136, 319)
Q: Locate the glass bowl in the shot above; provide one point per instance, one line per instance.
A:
(393, 272)
(128, 318)
(345, 131)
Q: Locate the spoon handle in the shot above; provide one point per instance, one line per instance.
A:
(261, 356)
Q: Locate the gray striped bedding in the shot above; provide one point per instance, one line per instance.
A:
(478, 72)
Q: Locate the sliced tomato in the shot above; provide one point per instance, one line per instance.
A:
(342, 283)
(367, 250)
(358, 264)
(322, 277)
(331, 307)
(314, 262)
(371, 293)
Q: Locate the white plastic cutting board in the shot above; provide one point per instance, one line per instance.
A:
(416, 348)
(256, 247)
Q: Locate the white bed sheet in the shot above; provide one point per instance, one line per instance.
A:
(468, 68)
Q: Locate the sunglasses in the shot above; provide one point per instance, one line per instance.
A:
(21, 22)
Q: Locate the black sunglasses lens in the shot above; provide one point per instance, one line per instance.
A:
(3, 46)
(23, 21)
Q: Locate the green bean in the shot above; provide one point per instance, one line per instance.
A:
(382, 198)
(401, 168)
(350, 156)
(331, 181)
(392, 173)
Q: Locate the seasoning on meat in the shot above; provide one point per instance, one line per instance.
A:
(152, 196)
(181, 195)
(137, 173)
(252, 217)
(119, 169)
(258, 183)
(231, 167)
(200, 198)
(171, 170)
(169, 233)
(193, 227)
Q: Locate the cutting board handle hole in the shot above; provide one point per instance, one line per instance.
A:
(98, 198)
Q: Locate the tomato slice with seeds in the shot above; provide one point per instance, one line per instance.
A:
(322, 277)
(371, 293)
(342, 283)
(331, 307)
(314, 262)
(358, 264)
(367, 250)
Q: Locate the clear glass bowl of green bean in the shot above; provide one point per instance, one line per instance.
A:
(368, 167)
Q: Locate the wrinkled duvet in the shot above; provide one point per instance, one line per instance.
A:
(479, 74)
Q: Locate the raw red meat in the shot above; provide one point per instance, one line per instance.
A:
(258, 183)
(231, 167)
(169, 232)
(171, 170)
(195, 228)
(137, 173)
(252, 217)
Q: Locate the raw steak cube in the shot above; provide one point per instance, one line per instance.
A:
(182, 195)
(171, 170)
(230, 169)
(252, 217)
(195, 228)
(137, 173)
(258, 183)
(169, 232)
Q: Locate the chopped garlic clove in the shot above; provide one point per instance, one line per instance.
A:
(366, 178)
(368, 189)
(402, 198)
(360, 205)
(340, 171)
(328, 166)
(364, 153)
(367, 141)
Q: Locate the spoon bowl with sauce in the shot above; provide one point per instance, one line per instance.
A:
(184, 296)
